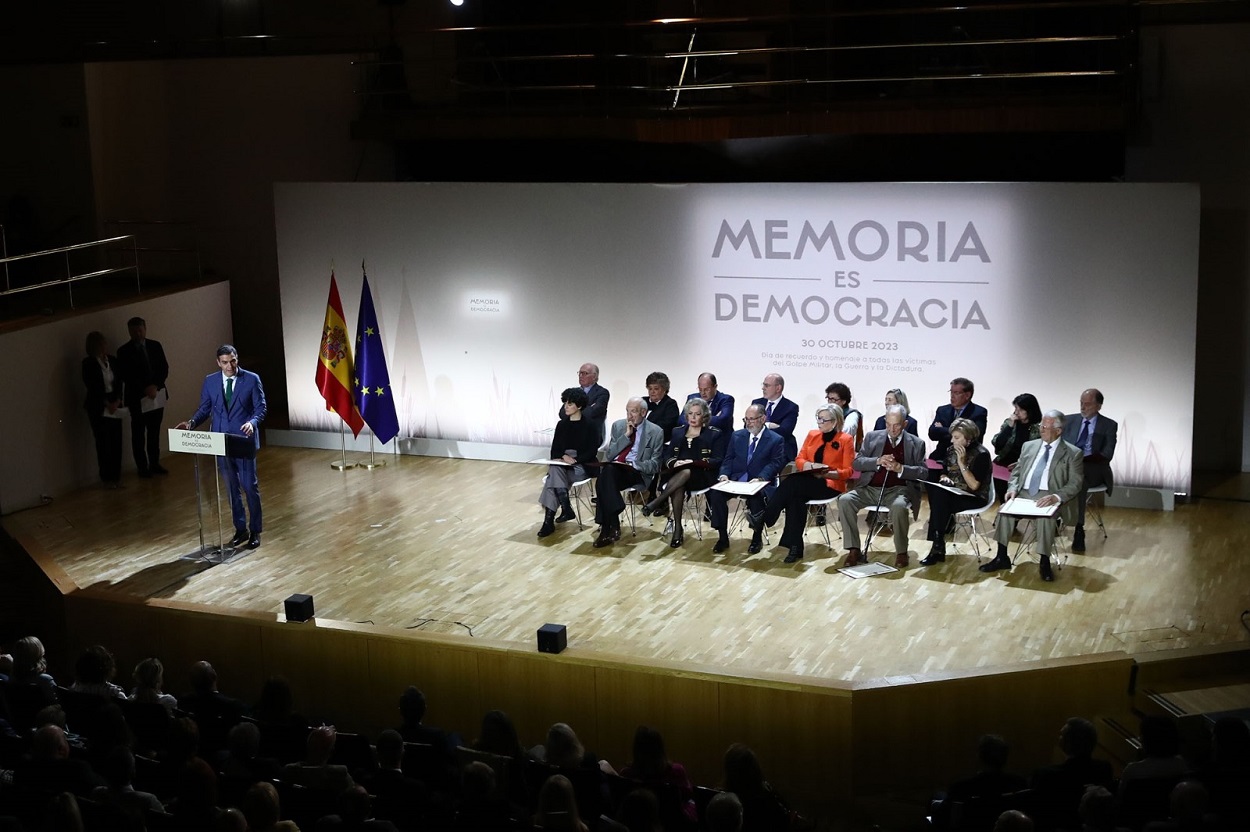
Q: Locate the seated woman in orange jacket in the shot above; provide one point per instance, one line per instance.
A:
(823, 469)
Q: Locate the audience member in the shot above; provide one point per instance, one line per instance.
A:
(241, 761)
(762, 809)
(412, 708)
(720, 405)
(780, 414)
(94, 672)
(149, 678)
(118, 770)
(651, 766)
(1188, 806)
(1050, 472)
(1228, 771)
(30, 667)
(897, 396)
(1097, 810)
(277, 704)
(51, 769)
(823, 469)
(1061, 787)
(752, 454)
(205, 702)
(263, 810)
(852, 420)
(400, 798)
(481, 808)
(316, 771)
(355, 815)
(992, 778)
(640, 812)
(661, 408)
(557, 807)
(195, 808)
(1013, 820)
(1160, 753)
(891, 464)
(632, 459)
(723, 813)
(1095, 435)
(961, 406)
(498, 736)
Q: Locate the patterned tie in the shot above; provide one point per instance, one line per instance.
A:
(229, 390)
(751, 450)
(1035, 481)
(1082, 441)
(768, 412)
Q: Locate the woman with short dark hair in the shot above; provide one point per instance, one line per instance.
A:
(575, 444)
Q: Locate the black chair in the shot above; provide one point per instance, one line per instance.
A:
(150, 723)
(302, 805)
(355, 752)
(284, 742)
(432, 765)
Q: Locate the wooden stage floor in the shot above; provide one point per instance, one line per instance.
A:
(449, 546)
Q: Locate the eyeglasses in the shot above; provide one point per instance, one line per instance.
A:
(834, 399)
(752, 418)
(820, 421)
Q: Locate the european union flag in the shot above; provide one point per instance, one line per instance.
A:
(373, 383)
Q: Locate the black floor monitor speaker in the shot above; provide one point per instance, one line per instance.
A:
(552, 638)
(299, 607)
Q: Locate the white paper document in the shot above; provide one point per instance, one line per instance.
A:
(1024, 507)
(742, 489)
(157, 402)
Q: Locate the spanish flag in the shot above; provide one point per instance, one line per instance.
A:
(335, 374)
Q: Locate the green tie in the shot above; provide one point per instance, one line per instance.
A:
(229, 390)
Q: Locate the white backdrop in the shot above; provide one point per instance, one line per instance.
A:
(490, 296)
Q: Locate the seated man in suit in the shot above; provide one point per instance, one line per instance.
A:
(753, 453)
(636, 445)
(961, 406)
(1050, 471)
(719, 405)
(597, 411)
(1094, 434)
(891, 464)
(780, 414)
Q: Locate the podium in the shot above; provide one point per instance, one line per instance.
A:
(210, 443)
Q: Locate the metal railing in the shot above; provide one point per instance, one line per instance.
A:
(70, 277)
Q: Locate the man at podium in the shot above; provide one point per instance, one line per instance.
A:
(236, 400)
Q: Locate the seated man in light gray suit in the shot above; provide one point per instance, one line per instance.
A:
(632, 458)
(1094, 434)
(891, 466)
(1052, 472)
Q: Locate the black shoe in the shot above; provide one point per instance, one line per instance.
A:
(549, 524)
(756, 545)
(722, 544)
(566, 514)
(605, 538)
(650, 509)
(157, 469)
(1047, 575)
(795, 554)
(240, 537)
(679, 536)
(933, 557)
(253, 542)
(1078, 539)
(1001, 561)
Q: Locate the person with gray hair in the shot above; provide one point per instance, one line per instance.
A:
(890, 466)
(632, 459)
(1051, 472)
(691, 461)
(724, 813)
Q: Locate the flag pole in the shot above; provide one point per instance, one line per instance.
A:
(373, 462)
(344, 465)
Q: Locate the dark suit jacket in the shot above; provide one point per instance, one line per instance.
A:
(247, 404)
(663, 414)
(786, 418)
(1101, 447)
(766, 463)
(914, 469)
(596, 409)
(721, 408)
(708, 446)
(1067, 474)
(93, 380)
(946, 414)
(138, 374)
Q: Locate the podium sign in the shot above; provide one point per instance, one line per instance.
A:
(197, 442)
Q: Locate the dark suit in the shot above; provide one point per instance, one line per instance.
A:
(1065, 479)
(896, 499)
(596, 409)
(1098, 451)
(663, 414)
(721, 410)
(945, 415)
(247, 406)
(764, 464)
(106, 430)
(143, 365)
(613, 478)
(785, 416)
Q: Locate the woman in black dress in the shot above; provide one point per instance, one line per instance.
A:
(691, 463)
(576, 443)
(968, 468)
